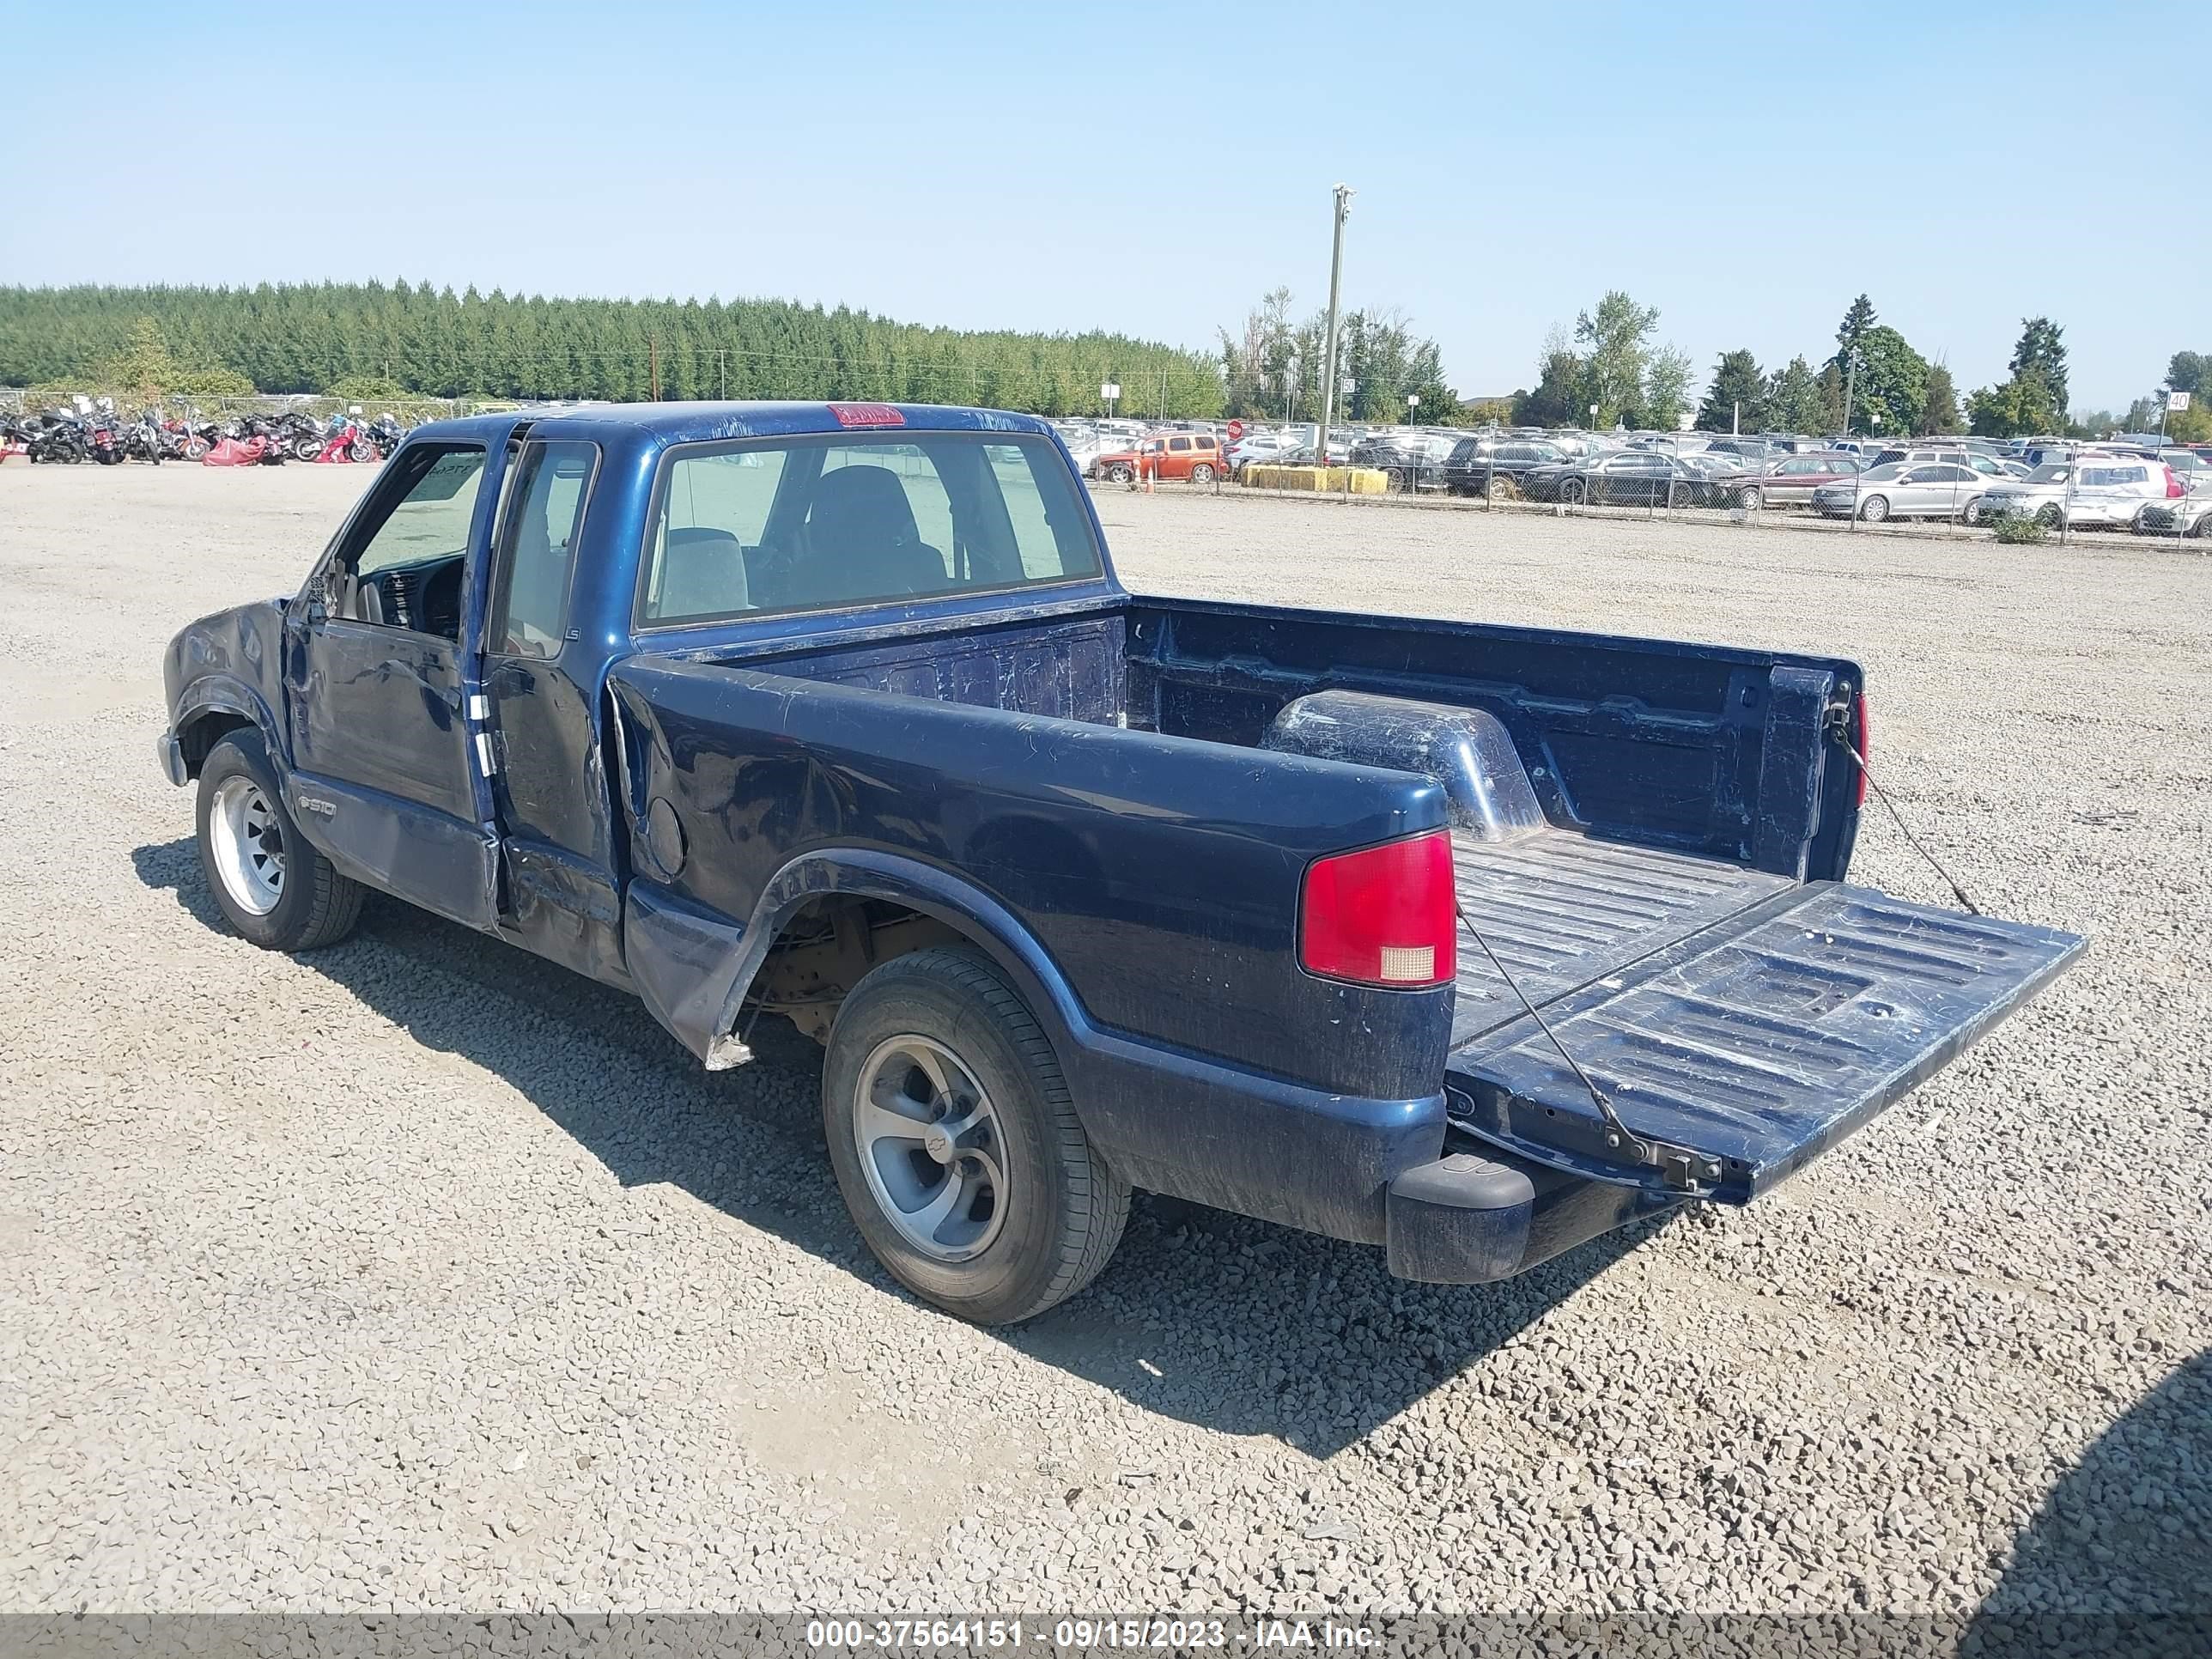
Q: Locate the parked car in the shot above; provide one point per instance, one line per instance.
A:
(1192, 456)
(1081, 891)
(1256, 447)
(1931, 490)
(2194, 469)
(1475, 463)
(2096, 491)
(1988, 465)
(2190, 516)
(1628, 477)
(1791, 480)
(1339, 454)
(1406, 459)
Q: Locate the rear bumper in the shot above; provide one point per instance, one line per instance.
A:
(171, 754)
(1473, 1218)
(1365, 1170)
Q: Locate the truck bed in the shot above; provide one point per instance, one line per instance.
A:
(1668, 898)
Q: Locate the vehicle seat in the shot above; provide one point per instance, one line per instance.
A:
(863, 542)
(703, 572)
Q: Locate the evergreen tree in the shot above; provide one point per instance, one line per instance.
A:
(1857, 320)
(1557, 399)
(1739, 392)
(1939, 409)
(2041, 355)
(1833, 388)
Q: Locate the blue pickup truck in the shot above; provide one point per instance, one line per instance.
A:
(1471, 942)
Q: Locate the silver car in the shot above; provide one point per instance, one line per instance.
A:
(1932, 489)
(2092, 490)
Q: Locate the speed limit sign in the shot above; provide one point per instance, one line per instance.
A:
(1236, 430)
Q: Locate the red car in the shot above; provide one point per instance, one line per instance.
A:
(1192, 455)
(1787, 480)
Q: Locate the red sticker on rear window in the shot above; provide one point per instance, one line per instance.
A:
(867, 415)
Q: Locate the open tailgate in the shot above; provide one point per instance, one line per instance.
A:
(1745, 1049)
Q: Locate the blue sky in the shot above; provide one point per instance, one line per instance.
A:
(1746, 169)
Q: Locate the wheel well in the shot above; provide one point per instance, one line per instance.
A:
(203, 732)
(828, 946)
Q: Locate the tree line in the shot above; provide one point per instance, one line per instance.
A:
(377, 339)
(374, 340)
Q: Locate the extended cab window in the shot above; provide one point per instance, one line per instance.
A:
(537, 548)
(813, 522)
(403, 566)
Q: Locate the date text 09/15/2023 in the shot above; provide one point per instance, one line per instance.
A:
(1150, 1634)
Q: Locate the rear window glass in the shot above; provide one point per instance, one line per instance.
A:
(818, 522)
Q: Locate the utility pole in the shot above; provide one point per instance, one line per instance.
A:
(1850, 386)
(1329, 352)
(653, 363)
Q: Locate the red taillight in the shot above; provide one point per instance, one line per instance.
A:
(2175, 489)
(1383, 916)
(867, 415)
(1862, 736)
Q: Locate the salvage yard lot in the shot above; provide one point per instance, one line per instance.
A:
(421, 1273)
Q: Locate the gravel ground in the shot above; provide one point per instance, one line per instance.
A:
(422, 1274)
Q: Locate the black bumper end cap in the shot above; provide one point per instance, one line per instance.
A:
(1460, 1220)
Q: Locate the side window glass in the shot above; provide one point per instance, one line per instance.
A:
(530, 616)
(431, 520)
(1179, 443)
(406, 564)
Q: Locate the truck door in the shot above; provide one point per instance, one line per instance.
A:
(375, 690)
(553, 807)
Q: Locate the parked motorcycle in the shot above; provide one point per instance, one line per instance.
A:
(142, 440)
(56, 438)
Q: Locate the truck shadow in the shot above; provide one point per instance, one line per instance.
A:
(1220, 1321)
(2114, 1561)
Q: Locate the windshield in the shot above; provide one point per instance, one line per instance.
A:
(854, 519)
(2048, 473)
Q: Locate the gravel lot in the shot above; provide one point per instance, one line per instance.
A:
(422, 1274)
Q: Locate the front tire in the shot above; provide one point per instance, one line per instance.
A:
(1751, 500)
(1874, 509)
(273, 888)
(955, 1144)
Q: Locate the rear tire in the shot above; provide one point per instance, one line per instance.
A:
(273, 888)
(1202, 473)
(939, 1039)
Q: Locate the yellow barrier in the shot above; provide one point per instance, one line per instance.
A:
(1356, 480)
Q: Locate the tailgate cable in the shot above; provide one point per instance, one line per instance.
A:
(1840, 726)
(1622, 1137)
